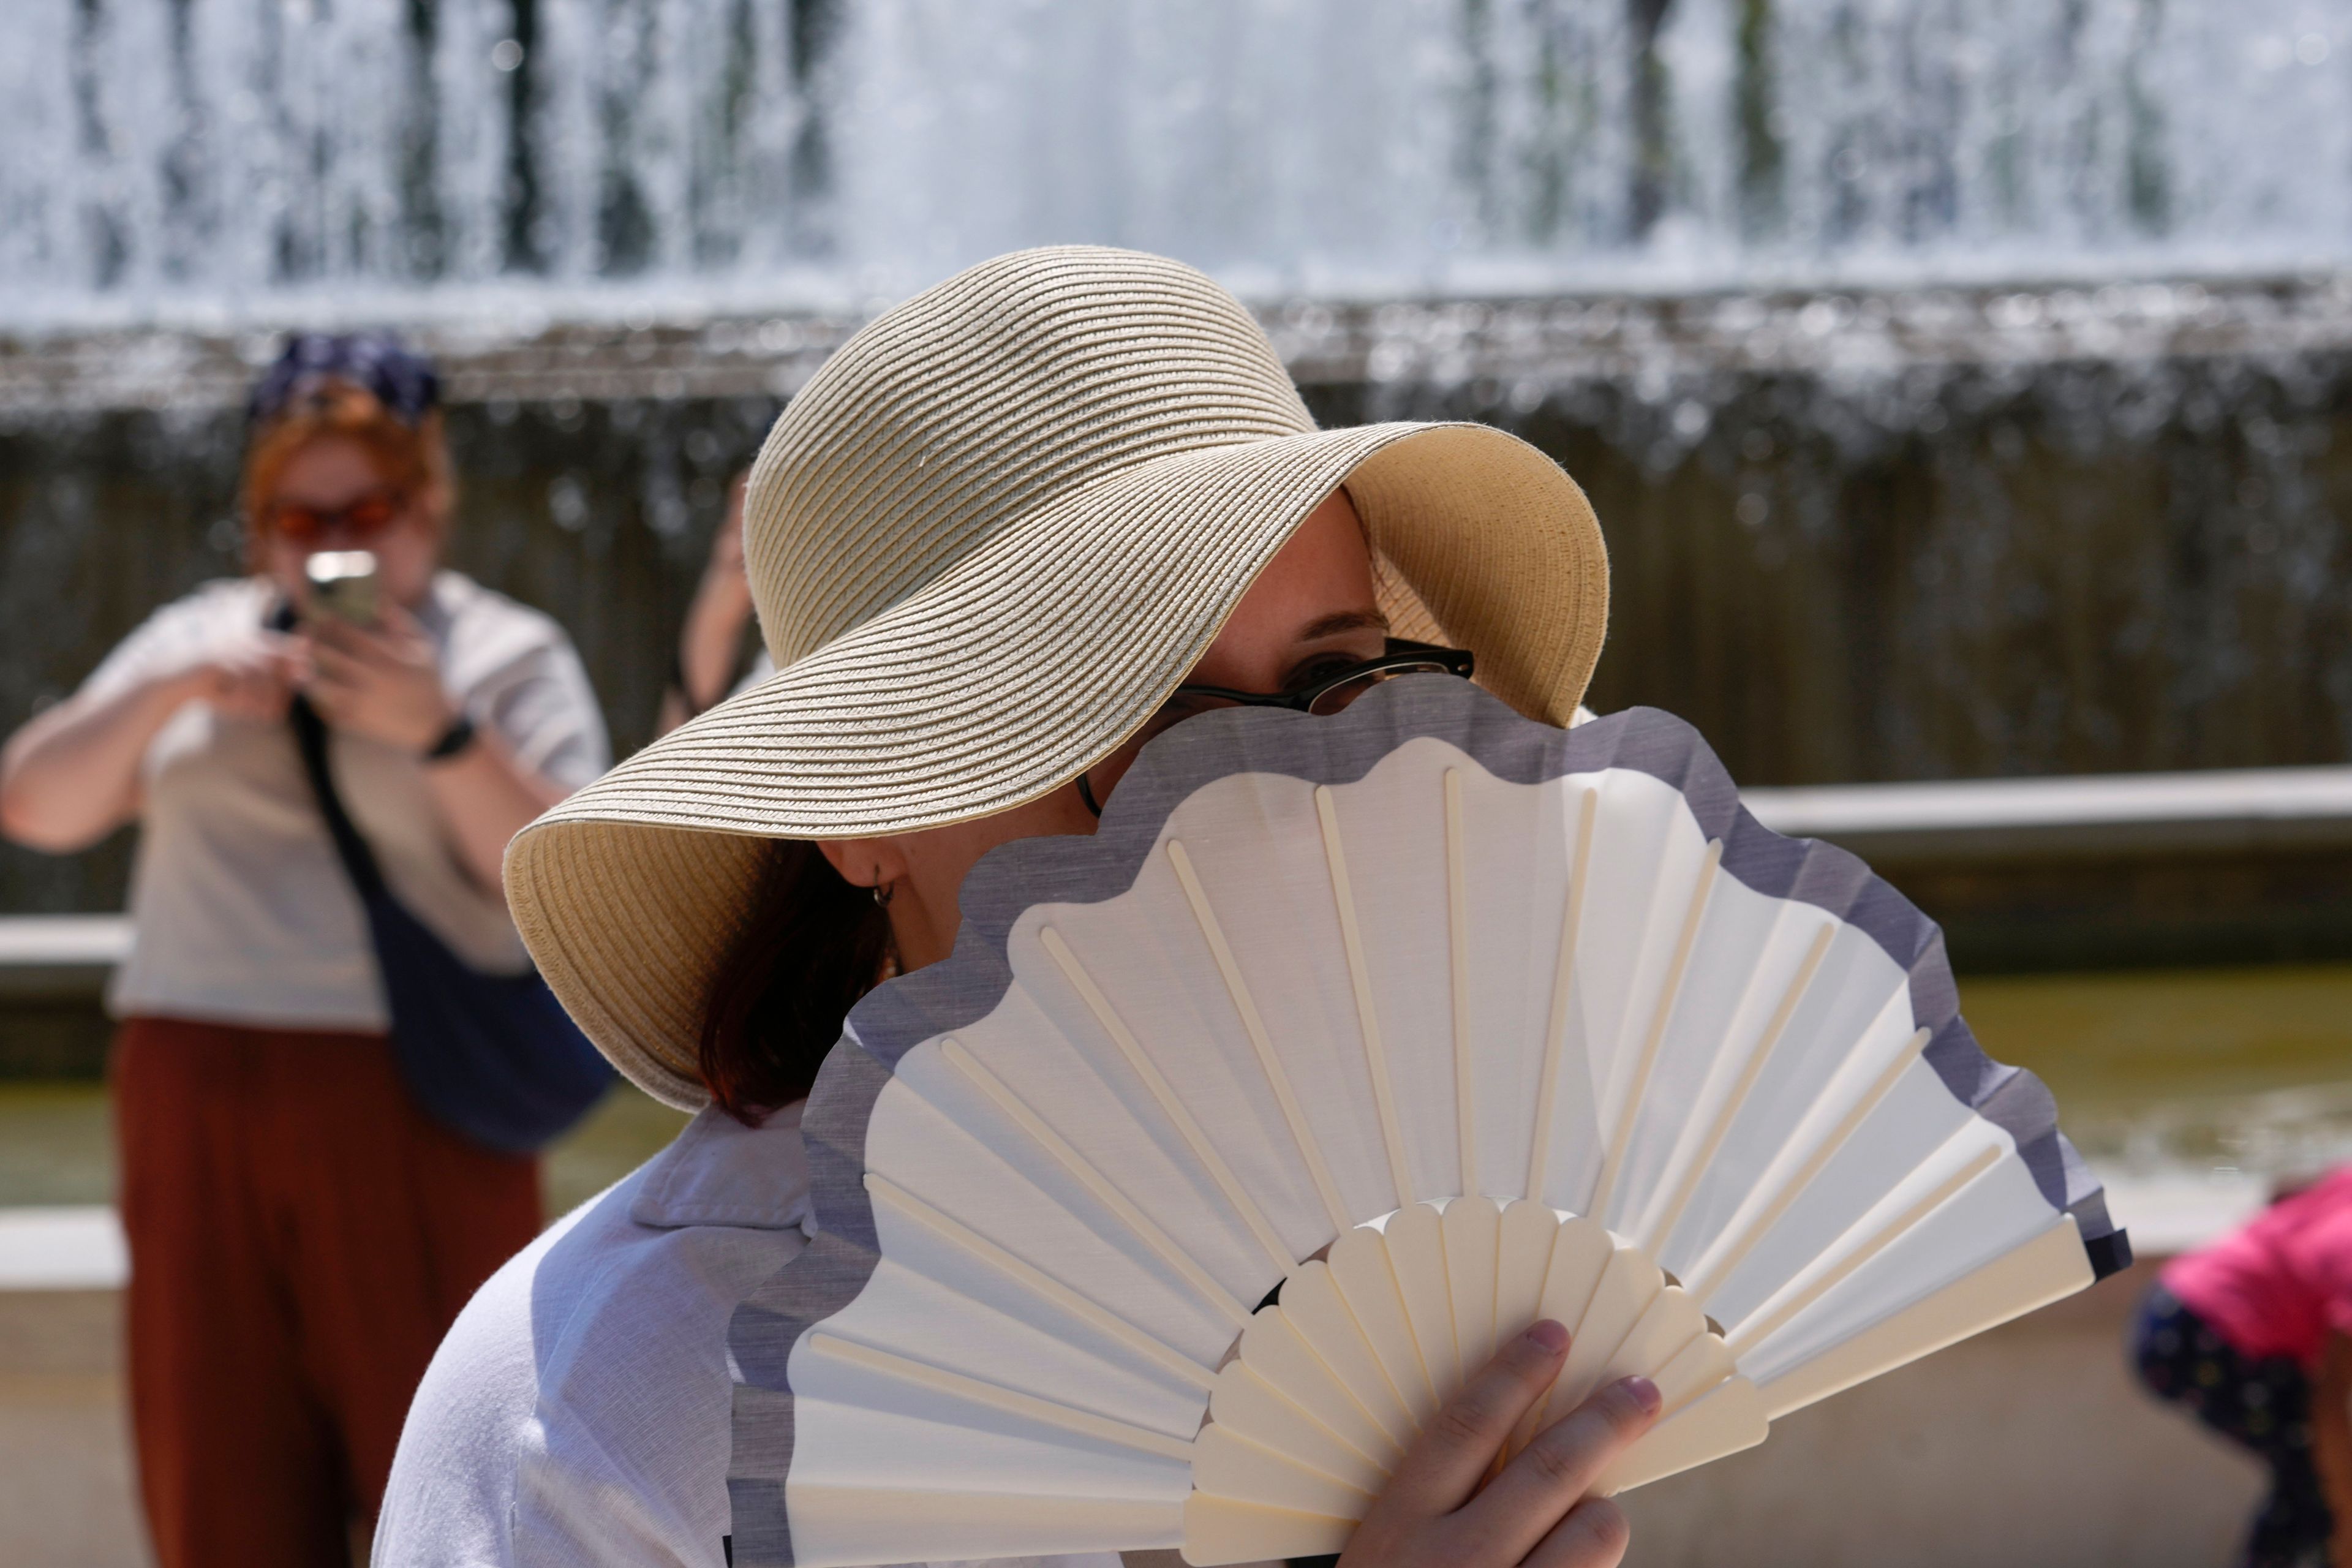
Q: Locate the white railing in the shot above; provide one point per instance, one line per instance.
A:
(2123, 815)
(60, 955)
(2251, 809)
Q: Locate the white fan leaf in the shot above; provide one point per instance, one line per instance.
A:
(1230, 1142)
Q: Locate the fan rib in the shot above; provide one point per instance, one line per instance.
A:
(1312, 1301)
(834, 1526)
(1095, 1181)
(1473, 1231)
(1246, 1006)
(1669, 993)
(1161, 1090)
(1627, 1286)
(1221, 1530)
(1762, 1325)
(1653, 1235)
(1232, 1465)
(1248, 1403)
(1527, 1235)
(1527, 1232)
(1667, 1326)
(1729, 1417)
(1692, 1372)
(1379, 1317)
(1037, 1280)
(1580, 1254)
(1012, 1401)
(1415, 1247)
(1772, 1200)
(1377, 1303)
(1458, 909)
(1280, 1353)
(2050, 1265)
(1562, 984)
(1351, 939)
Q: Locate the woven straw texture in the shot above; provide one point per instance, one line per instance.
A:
(985, 543)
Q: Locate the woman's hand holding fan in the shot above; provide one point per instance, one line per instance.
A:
(1182, 1204)
(1439, 1508)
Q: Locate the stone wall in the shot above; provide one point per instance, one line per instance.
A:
(1852, 538)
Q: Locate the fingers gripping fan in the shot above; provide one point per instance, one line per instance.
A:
(1438, 1019)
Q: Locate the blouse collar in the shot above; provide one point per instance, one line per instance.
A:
(719, 1171)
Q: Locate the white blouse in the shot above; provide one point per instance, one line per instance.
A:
(578, 1413)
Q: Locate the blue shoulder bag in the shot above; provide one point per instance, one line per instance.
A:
(492, 1057)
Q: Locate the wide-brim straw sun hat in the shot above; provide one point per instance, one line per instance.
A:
(986, 542)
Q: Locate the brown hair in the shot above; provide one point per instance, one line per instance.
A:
(413, 458)
(810, 946)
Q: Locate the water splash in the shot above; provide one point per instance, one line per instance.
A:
(221, 160)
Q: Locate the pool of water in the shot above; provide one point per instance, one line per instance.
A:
(2228, 1074)
(57, 1145)
(2237, 1070)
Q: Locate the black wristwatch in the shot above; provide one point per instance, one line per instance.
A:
(454, 740)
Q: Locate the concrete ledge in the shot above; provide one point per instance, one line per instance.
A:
(495, 347)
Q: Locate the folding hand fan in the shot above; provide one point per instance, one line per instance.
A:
(1229, 1140)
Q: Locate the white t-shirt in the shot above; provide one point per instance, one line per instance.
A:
(241, 911)
(577, 1415)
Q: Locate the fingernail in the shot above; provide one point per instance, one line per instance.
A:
(1645, 1393)
(1546, 1336)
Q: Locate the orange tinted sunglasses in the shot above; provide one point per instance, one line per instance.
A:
(365, 518)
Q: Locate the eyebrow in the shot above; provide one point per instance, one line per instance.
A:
(1344, 621)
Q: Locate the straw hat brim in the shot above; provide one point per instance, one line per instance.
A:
(1011, 672)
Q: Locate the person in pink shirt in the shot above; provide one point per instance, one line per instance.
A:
(2254, 1334)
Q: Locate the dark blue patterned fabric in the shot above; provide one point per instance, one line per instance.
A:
(2262, 1405)
(403, 382)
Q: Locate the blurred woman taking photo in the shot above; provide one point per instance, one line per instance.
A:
(301, 1233)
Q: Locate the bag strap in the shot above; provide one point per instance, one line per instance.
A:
(311, 742)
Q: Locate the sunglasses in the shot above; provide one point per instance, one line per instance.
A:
(363, 518)
(1324, 697)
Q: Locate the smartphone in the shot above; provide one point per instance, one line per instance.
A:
(343, 584)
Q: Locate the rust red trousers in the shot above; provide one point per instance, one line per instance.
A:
(300, 1238)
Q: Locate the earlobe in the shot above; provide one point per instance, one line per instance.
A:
(844, 856)
(874, 863)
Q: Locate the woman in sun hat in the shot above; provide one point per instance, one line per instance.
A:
(989, 542)
(302, 1233)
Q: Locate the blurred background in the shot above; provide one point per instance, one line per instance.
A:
(1966, 390)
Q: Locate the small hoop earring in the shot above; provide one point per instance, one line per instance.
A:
(883, 892)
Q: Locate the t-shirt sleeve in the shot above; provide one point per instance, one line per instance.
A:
(167, 639)
(540, 702)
